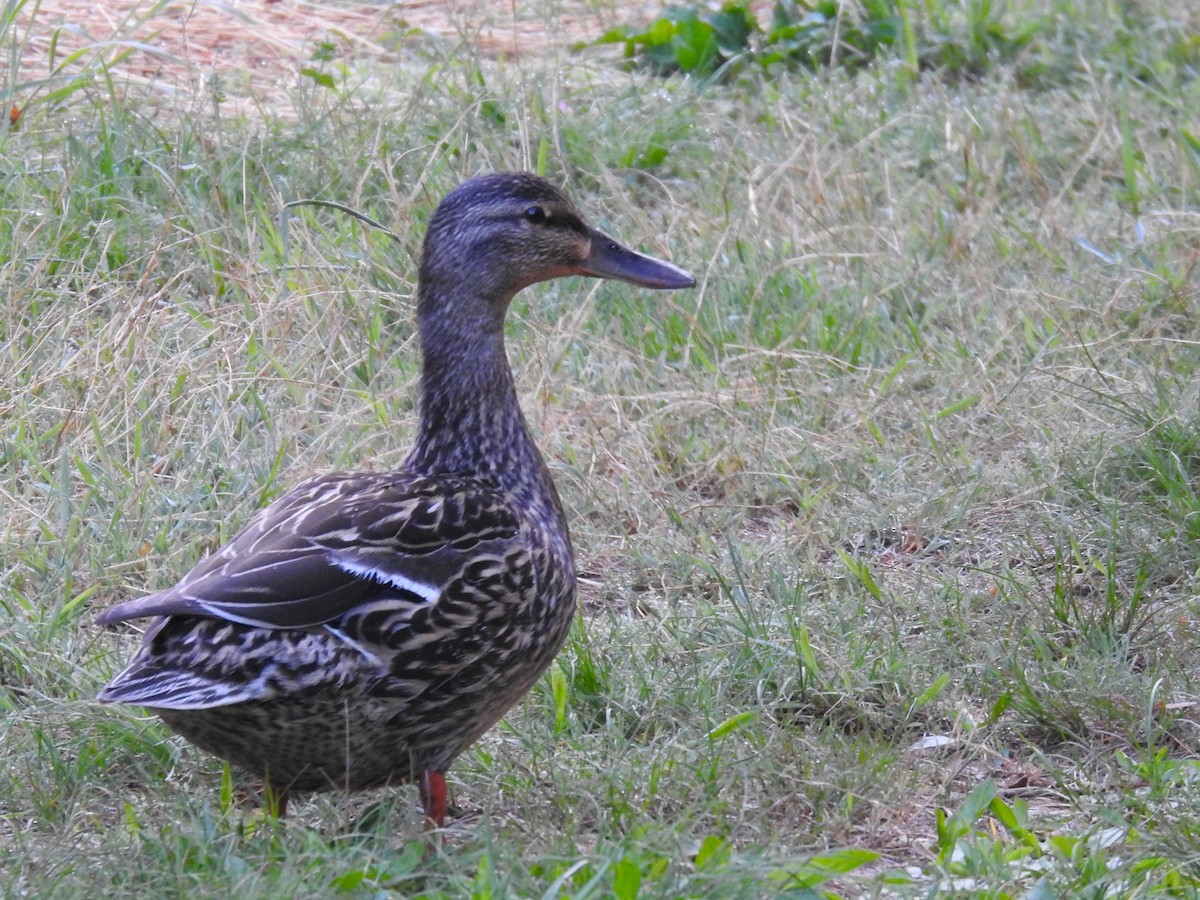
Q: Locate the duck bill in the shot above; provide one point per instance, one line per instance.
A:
(608, 259)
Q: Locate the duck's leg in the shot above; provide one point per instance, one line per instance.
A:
(275, 800)
(432, 787)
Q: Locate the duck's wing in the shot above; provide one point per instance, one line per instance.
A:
(333, 543)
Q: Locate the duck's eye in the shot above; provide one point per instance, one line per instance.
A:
(536, 215)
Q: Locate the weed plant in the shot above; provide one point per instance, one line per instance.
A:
(889, 531)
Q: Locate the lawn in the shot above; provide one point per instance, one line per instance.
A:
(889, 530)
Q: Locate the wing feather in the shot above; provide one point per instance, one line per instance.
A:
(325, 548)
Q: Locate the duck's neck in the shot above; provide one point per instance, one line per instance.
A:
(470, 418)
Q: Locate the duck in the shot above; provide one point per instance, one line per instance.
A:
(366, 628)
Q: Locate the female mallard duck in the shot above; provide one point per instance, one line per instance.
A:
(367, 628)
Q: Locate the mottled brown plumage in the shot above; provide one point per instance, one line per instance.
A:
(367, 628)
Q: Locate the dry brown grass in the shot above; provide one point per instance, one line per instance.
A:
(257, 47)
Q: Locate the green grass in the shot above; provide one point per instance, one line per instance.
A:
(889, 529)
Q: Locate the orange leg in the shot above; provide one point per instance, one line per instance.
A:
(432, 787)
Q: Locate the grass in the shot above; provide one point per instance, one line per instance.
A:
(889, 529)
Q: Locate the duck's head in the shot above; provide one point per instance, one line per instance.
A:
(496, 234)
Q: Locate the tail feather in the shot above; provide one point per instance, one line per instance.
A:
(145, 684)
